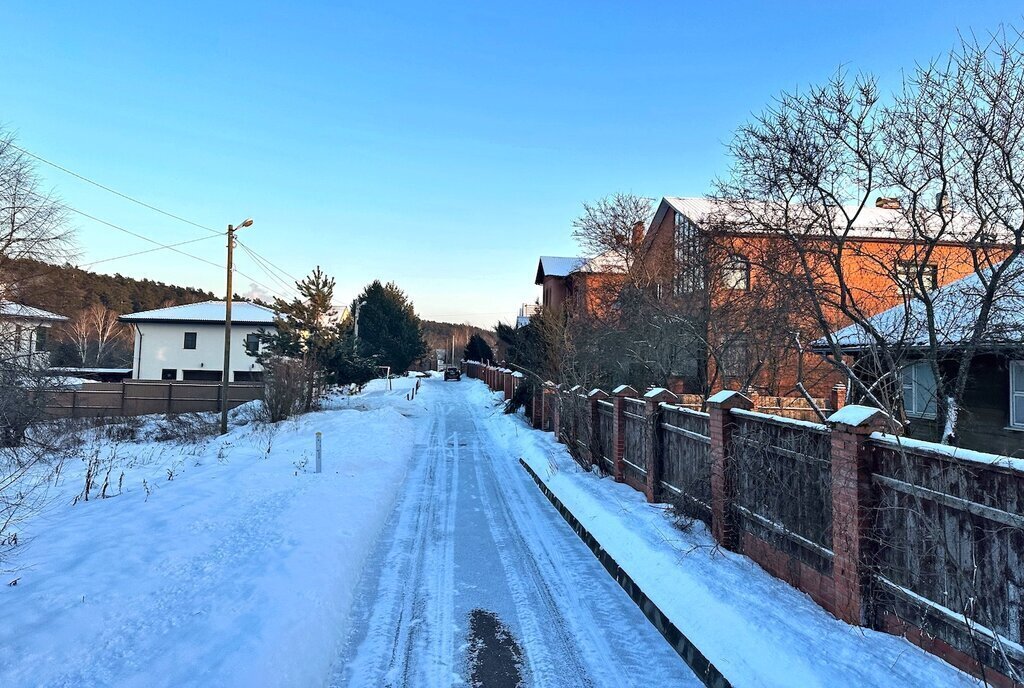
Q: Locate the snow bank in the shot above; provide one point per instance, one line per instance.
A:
(756, 629)
(238, 571)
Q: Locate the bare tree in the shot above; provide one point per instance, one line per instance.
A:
(943, 154)
(33, 222)
(94, 331)
(32, 225)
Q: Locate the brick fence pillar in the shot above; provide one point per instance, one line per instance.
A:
(537, 417)
(555, 409)
(594, 396)
(652, 429)
(507, 384)
(619, 396)
(852, 502)
(723, 483)
(547, 404)
(837, 397)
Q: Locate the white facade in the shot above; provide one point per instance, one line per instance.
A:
(24, 334)
(187, 342)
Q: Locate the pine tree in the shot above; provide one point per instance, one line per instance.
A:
(477, 349)
(389, 329)
(308, 332)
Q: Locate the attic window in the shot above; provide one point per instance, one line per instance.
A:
(907, 275)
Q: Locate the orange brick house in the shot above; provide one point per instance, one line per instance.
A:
(748, 292)
(575, 285)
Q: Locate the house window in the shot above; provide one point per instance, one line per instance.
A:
(201, 375)
(41, 338)
(252, 343)
(688, 256)
(169, 374)
(190, 340)
(918, 389)
(736, 273)
(907, 272)
(1017, 394)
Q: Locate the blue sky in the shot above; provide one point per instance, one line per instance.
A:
(442, 146)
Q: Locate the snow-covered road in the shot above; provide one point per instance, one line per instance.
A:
(471, 540)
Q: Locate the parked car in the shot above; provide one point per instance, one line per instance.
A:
(452, 373)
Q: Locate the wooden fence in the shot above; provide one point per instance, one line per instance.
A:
(909, 537)
(141, 397)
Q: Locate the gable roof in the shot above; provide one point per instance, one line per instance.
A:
(19, 311)
(557, 266)
(242, 313)
(553, 266)
(870, 222)
(956, 308)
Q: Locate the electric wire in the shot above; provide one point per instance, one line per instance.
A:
(113, 191)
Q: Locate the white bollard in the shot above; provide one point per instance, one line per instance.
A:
(318, 445)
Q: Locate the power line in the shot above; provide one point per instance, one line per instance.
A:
(113, 191)
(269, 274)
(269, 263)
(148, 250)
(171, 247)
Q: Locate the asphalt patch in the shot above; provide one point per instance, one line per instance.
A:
(495, 656)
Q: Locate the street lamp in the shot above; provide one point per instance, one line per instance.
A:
(225, 380)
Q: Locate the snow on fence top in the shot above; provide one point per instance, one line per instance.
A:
(854, 415)
(780, 420)
(897, 442)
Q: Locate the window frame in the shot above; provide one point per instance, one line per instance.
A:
(254, 350)
(907, 272)
(195, 341)
(910, 405)
(736, 264)
(1017, 423)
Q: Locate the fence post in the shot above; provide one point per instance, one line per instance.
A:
(652, 429)
(723, 483)
(594, 396)
(837, 397)
(619, 396)
(555, 400)
(852, 501)
(170, 397)
(123, 395)
(508, 386)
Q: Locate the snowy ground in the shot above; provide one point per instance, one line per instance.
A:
(473, 534)
(238, 572)
(756, 629)
(424, 555)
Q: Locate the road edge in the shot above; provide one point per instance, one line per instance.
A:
(707, 672)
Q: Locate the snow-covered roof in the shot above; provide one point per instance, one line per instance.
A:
(9, 309)
(242, 313)
(956, 306)
(869, 222)
(557, 266)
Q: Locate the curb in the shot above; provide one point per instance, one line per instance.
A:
(707, 672)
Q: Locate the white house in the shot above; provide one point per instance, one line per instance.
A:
(25, 333)
(187, 342)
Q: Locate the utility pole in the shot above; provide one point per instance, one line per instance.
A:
(225, 381)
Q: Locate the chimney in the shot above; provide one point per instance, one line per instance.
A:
(638, 234)
(887, 203)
